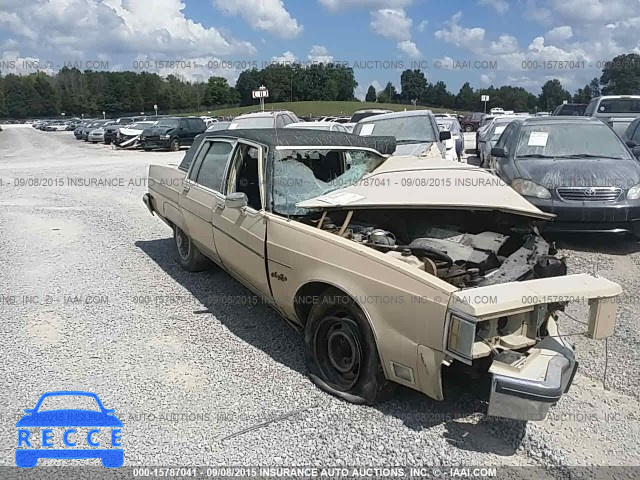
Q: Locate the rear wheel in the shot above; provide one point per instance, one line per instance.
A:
(187, 254)
(340, 350)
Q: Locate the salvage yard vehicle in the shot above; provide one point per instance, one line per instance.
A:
(570, 110)
(618, 111)
(129, 136)
(388, 280)
(488, 137)
(274, 119)
(455, 145)
(576, 168)
(416, 132)
(96, 135)
(471, 122)
(110, 131)
(171, 133)
(362, 114)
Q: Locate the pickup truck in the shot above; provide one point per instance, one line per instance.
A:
(618, 111)
(391, 267)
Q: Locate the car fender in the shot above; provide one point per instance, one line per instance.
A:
(174, 215)
(405, 307)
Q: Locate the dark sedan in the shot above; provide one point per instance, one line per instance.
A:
(576, 168)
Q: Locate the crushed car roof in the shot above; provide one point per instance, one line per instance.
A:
(411, 182)
(291, 137)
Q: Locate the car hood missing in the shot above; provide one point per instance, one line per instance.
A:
(410, 182)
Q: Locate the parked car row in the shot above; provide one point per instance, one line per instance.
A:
(575, 167)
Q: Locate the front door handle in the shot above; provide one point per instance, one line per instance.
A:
(186, 187)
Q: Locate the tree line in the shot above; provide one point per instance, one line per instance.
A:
(90, 92)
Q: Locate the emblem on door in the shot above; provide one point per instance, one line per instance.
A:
(279, 276)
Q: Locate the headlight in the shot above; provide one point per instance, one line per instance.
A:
(634, 192)
(528, 188)
(461, 336)
(165, 137)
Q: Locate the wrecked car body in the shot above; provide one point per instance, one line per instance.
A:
(392, 268)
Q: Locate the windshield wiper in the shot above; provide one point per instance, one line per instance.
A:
(535, 155)
(413, 140)
(586, 155)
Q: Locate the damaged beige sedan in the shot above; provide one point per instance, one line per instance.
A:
(393, 267)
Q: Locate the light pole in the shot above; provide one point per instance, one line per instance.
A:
(104, 115)
(155, 107)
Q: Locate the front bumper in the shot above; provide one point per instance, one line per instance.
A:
(154, 142)
(528, 393)
(606, 217)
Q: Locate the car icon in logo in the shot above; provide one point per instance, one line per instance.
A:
(103, 429)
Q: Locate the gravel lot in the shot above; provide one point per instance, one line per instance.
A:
(188, 368)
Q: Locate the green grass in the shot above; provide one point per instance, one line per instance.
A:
(316, 108)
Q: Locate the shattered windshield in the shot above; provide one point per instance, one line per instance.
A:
(300, 175)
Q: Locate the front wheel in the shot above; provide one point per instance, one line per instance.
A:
(468, 128)
(187, 254)
(174, 145)
(340, 350)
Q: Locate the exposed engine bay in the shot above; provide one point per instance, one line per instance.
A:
(466, 249)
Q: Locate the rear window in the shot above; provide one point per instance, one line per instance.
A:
(188, 158)
(571, 110)
(356, 117)
(619, 105)
(252, 122)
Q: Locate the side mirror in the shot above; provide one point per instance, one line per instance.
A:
(636, 152)
(446, 135)
(499, 152)
(631, 144)
(236, 200)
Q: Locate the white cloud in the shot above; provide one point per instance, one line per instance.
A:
(267, 15)
(595, 11)
(409, 48)
(559, 34)
(14, 63)
(319, 54)
(500, 6)
(422, 26)
(286, 57)
(575, 40)
(86, 27)
(487, 78)
(336, 5)
(468, 38)
(505, 44)
(391, 23)
(445, 63)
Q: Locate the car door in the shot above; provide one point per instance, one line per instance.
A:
(182, 132)
(241, 232)
(196, 127)
(201, 193)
